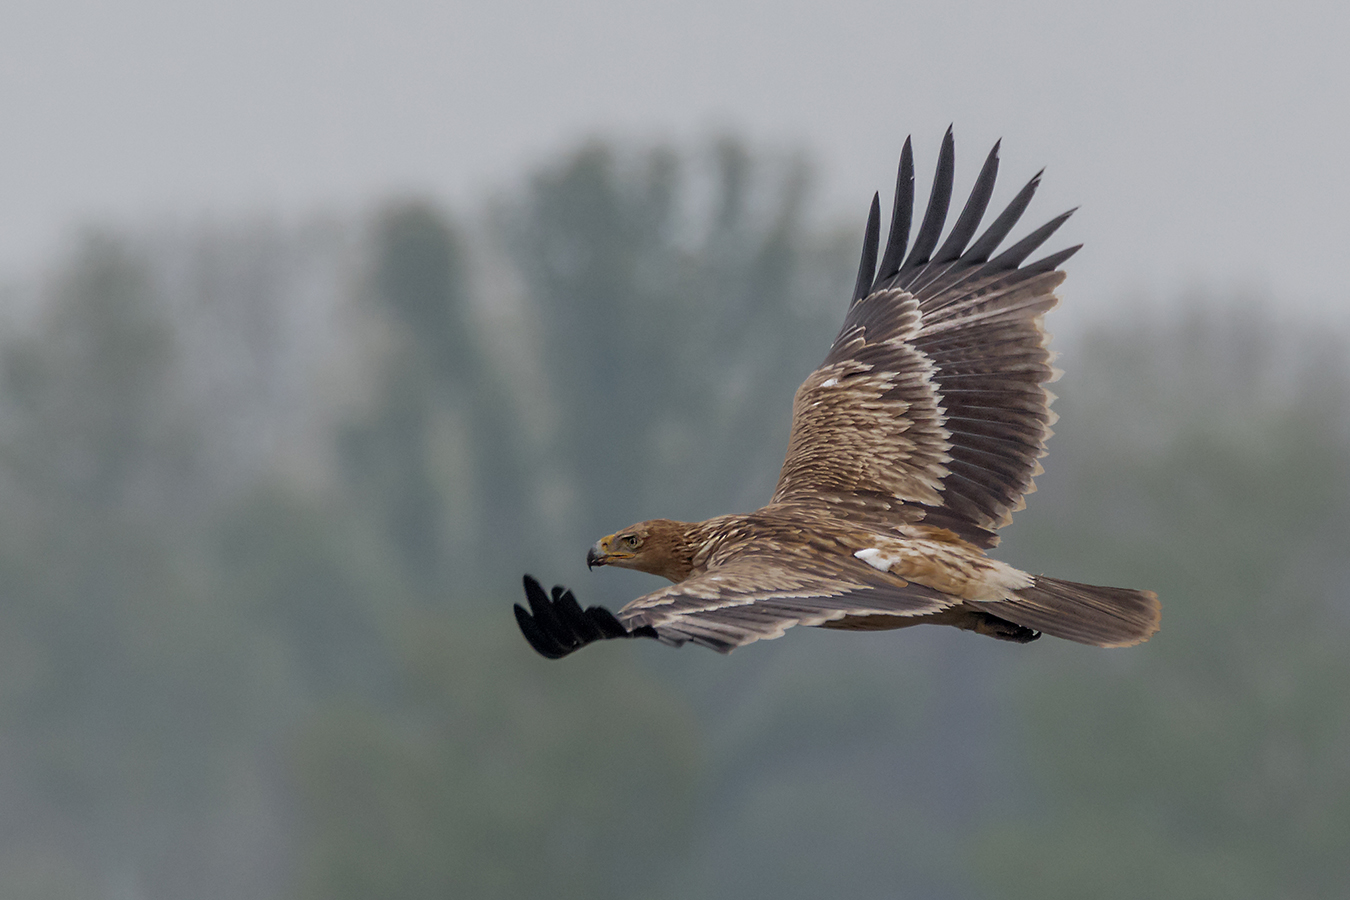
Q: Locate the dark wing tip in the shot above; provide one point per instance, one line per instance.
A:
(867, 266)
(935, 216)
(984, 247)
(556, 626)
(1014, 255)
(902, 215)
(973, 212)
(1052, 262)
(604, 620)
(542, 643)
(569, 611)
(954, 249)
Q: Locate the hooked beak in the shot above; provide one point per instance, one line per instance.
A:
(603, 553)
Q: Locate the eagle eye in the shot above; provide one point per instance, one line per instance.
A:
(630, 541)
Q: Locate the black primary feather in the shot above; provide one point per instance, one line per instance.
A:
(902, 214)
(542, 609)
(565, 605)
(556, 626)
(969, 220)
(941, 197)
(1012, 257)
(538, 638)
(868, 264)
(1051, 262)
(995, 233)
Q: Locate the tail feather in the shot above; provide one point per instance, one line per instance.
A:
(1088, 614)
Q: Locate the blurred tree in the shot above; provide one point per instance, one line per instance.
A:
(486, 776)
(1209, 460)
(475, 774)
(437, 458)
(123, 686)
(219, 699)
(673, 331)
(90, 394)
(318, 589)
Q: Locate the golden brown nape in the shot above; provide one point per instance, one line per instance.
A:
(658, 546)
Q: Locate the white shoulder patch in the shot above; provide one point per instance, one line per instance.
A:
(876, 559)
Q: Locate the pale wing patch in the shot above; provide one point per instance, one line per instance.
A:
(869, 426)
(1002, 580)
(876, 559)
(953, 568)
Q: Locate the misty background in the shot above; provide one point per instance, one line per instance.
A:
(324, 322)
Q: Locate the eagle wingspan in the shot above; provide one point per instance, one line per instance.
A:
(930, 406)
(914, 441)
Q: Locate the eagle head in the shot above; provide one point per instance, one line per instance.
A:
(659, 547)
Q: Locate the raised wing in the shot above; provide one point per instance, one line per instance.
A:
(931, 404)
(759, 595)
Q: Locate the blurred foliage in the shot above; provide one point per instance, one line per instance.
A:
(678, 308)
(440, 448)
(1212, 762)
(302, 679)
(127, 687)
(483, 775)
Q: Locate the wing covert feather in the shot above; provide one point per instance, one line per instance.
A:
(758, 596)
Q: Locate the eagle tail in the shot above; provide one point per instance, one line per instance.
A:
(1086, 613)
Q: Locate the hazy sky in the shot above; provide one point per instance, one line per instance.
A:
(1205, 142)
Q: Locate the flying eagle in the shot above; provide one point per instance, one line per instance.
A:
(912, 444)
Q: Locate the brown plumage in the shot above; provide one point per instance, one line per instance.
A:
(913, 443)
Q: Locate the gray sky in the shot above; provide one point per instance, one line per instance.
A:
(1205, 142)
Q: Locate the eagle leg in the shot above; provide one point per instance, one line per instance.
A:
(983, 623)
(557, 625)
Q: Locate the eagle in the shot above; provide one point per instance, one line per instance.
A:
(913, 442)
